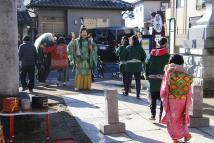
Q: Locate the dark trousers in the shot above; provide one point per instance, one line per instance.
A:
(124, 79)
(154, 97)
(30, 71)
(137, 81)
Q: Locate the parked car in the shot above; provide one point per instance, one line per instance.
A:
(107, 39)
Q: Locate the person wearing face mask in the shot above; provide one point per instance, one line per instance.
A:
(83, 56)
(134, 58)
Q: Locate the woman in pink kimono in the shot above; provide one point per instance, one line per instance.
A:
(176, 97)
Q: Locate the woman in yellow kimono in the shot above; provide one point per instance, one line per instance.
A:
(82, 53)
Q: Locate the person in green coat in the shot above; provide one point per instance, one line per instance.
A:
(82, 54)
(134, 57)
(120, 53)
(155, 64)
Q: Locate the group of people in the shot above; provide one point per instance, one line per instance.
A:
(168, 79)
(169, 82)
(53, 53)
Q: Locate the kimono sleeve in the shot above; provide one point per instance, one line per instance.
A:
(70, 52)
(164, 86)
(188, 103)
(93, 56)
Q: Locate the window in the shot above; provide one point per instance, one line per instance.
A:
(53, 25)
(180, 3)
(140, 9)
(96, 22)
(200, 4)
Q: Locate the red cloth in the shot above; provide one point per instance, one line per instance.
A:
(59, 57)
(159, 52)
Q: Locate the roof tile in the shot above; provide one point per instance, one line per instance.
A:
(23, 17)
(99, 4)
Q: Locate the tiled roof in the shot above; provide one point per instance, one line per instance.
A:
(95, 4)
(23, 17)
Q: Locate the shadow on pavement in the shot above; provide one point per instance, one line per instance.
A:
(205, 130)
(208, 109)
(78, 103)
(96, 136)
(141, 138)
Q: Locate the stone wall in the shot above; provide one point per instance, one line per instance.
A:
(201, 67)
(9, 73)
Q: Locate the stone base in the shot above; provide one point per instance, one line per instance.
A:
(112, 128)
(199, 122)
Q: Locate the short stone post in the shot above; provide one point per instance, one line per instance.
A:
(111, 124)
(196, 110)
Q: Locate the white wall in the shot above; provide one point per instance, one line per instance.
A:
(182, 19)
(138, 20)
(140, 16)
(149, 7)
(114, 16)
(191, 10)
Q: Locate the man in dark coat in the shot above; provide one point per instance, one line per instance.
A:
(27, 58)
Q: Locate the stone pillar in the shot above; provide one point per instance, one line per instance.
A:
(196, 110)
(198, 55)
(9, 77)
(111, 124)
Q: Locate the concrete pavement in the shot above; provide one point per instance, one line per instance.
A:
(88, 109)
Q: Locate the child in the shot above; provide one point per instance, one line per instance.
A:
(176, 97)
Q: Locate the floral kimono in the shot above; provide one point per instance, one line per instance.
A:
(84, 59)
(176, 97)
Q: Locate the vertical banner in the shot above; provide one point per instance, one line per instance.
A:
(158, 20)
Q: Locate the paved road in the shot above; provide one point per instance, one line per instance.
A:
(65, 125)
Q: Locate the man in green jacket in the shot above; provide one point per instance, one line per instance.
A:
(155, 64)
(134, 57)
